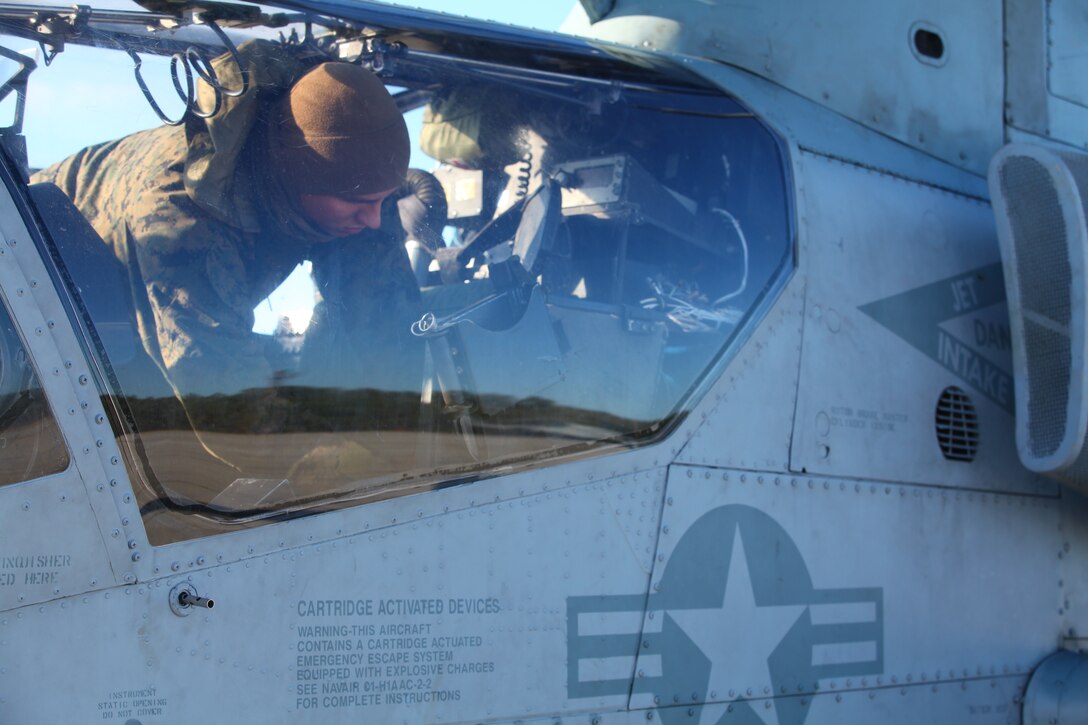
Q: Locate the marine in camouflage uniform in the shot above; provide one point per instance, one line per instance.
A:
(208, 227)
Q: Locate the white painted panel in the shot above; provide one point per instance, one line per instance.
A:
(783, 587)
(461, 616)
(746, 419)
(51, 542)
(905, 298)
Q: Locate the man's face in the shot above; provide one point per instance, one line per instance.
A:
(342, 216)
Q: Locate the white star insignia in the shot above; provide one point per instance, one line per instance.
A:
(739, 637)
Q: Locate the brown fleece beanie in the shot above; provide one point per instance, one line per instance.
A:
(338, 131)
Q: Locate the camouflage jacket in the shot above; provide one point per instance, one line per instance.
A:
(203, 277)
(211, 237)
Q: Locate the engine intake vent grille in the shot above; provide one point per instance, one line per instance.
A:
(1040, 197)
(957, 425)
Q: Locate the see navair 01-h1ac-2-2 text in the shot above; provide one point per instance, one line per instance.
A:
(739, 375)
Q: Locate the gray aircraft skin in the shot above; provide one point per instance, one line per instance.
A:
(839, 511)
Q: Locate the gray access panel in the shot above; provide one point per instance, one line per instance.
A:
(1045, 96)
(769, 586)
(894, 316)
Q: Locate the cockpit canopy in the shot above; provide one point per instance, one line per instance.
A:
(585, 235)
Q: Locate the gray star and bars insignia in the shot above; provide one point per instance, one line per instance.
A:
(735, 619)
